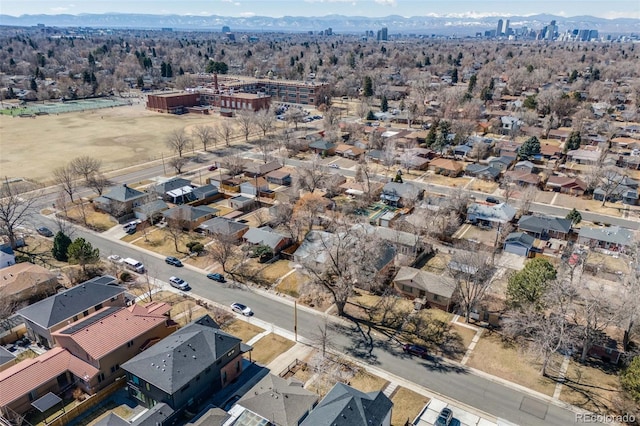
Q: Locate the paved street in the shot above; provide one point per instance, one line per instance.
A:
(449, 379)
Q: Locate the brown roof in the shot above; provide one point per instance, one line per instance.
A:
(525, 177)
(115, 330)
(29, 374)
(22, 276)
(549, 149)
(278, 174)
(566, 182)
(342, 148)
(444, 163)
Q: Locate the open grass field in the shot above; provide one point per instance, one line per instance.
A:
(120, 136)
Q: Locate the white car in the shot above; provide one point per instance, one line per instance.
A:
(334, 166)
(241, 309)
(114, 258)
(179, 283)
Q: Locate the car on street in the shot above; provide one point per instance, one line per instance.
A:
(213, 167)
(216, 277)
(179, 283)
(444, 418)
(114, 258)
(416, 350)
(492, 200)
(170, 260)
(241, 309)
(44, 231)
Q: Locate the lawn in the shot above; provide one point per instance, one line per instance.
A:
(185, 311)
(269, 348)
(483, 186)
(96, 220)
(505, 360)
(275, 270)
(465, 334)
(160, 242)
(242, 330)
(590, 388)
(447, 181)
(438, 263)
(407, 405)
(291, 284)
(367, 382)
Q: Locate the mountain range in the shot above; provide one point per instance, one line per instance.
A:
(445, 25)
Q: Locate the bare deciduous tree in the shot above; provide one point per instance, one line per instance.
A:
(178, 141)
(206, 135)
(470, 271)
(16, 209)
(98, 182)
(265, 120)
(225, 132)
(223, 250)
(310, 177)
(247, 121)
(65, 176)
(178, 163)
(86, 166)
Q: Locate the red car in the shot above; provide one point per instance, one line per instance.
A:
(212, 168)
(416, 350)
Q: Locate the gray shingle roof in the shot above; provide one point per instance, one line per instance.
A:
(539, 224)
(265, 236)
(180, 357)
(205, 191)
(403, 190)
(64, 305)
(521, 238)
(222, 226)
(612, 234)
(189, 213)
(5, 356)
(346, 406)
(155, 416)
(493, 213)
(113, 420)
(432, 283)
(123, 193)
(214, 416)
(171, 184)
(283, 402)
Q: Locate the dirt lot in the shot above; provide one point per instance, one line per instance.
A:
(120, 136)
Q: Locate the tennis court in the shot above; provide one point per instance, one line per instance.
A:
(60, 107)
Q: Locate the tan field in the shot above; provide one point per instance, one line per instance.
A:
(31, 148)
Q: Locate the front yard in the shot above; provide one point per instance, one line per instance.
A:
(269, 348)
(407, 404)
(591, 388)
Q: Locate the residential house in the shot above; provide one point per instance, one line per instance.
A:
(401, 194)
(214, 416)
(279, 177)
(175, 190)
(612, 238)
(359, 189)
(48, 315)
(189, 217)
(519, 243)
(523, 178)
(224, 227)
(114, 334)
(26, 281)
(322, 147)
(206, 193)
(502, 163)
(550, 151)
(254, 169)
(120, 200)
(375, 155)
(405, 243)
(267, 237)
(545, 227)
(349, 151)
(152, 209)
(414, 162)
(589, 155)
(524, 166)
(509, 149)
(254, 186)
(446, 167)
(274, 401)
(621, 188)
(490, 215)
(561, 134)
(566, 185)
(244, 203)
(54, 371)
(435, 290)
(186, 367)
(481, 171)
(346, 406)
(510, 125)
(461, 151)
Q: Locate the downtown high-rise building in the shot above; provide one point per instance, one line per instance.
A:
(499, 28)
(383, 34)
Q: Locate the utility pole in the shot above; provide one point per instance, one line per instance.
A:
(164, 170)
(295, 320)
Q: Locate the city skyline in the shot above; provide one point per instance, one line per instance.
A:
(309, 8)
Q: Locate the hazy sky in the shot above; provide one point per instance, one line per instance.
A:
(370, 8)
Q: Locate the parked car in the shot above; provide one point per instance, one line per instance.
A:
(492, 200)
(416, 350)
(179, 283)
(216, 277)
(444, 418)
(213, 167)
(114, 258)
(173, 261)
(44, 231)
(241, 309)
(334, 166)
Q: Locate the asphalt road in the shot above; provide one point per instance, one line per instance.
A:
(438, 375)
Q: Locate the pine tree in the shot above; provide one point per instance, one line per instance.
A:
(61, 243)
(384, 104)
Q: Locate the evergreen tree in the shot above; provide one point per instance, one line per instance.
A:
(473, 80)
(529, 148)
(370, 115)
(81, 252)
(573, 142)
(61, 243)
(454, 76)
(575, 216)
(163, 69)
(367, 86)
(169, 71)
(384, 104)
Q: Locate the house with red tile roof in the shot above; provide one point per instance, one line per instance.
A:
(54, 371)
(88, 354)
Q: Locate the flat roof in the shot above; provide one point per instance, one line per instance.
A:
(46, 402)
